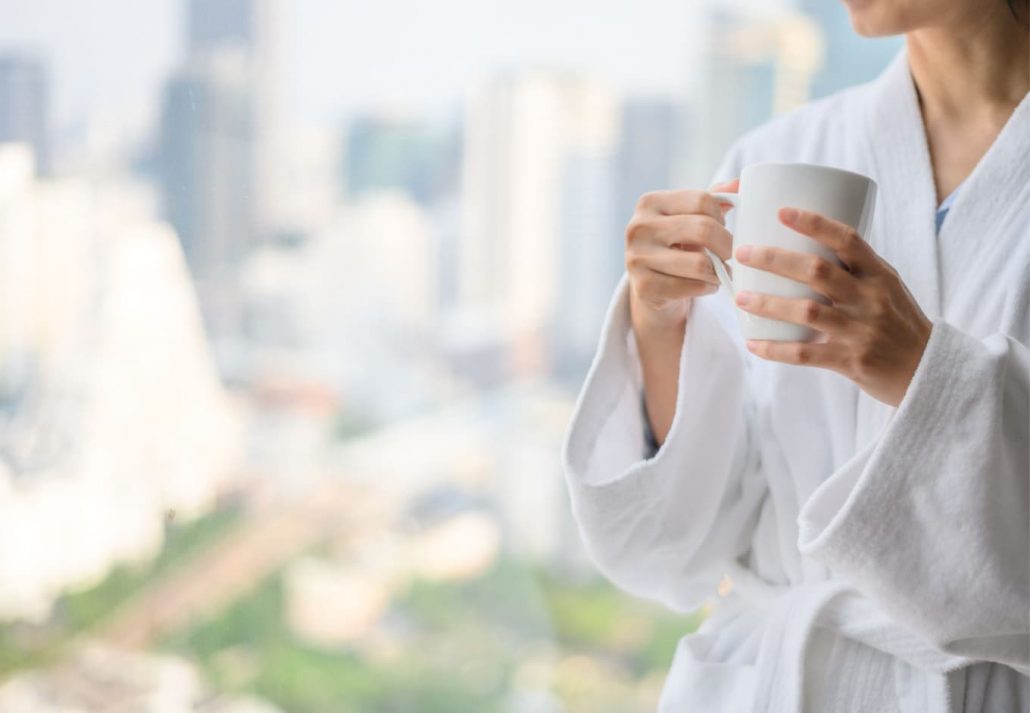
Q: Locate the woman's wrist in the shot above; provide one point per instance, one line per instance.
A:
(659, 336)
(649, 322)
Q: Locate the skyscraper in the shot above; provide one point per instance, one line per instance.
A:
(18, 267)
(208, 161)
(399, 154)
(218, 129)
(24, 106)
(214, 23)
(251, 28)
(589, 260)
(650, 149)
(757, 65)
(536, 202)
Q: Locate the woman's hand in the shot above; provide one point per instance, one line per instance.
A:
(667, 269)
(664, 253)
(874, 331)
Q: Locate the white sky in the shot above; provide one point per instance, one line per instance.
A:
(344, 55)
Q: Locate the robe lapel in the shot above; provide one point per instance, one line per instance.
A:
(904, 232)
(972, 236)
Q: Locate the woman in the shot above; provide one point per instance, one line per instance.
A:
(863, 500)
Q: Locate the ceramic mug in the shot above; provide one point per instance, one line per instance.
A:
(764, 189)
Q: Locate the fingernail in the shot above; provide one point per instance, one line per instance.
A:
(788, 215)
(752, 344)
(743, 298)
(743, 253)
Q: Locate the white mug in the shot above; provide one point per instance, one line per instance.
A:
(764, 189)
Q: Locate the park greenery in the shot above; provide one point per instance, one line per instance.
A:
(521, 637)
(451, 647)
(24, 646)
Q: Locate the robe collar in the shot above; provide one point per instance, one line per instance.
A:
(907, 200)
(991, 196)
(896, 142)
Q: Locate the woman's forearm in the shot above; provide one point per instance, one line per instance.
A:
(667, 269)
(659, 343)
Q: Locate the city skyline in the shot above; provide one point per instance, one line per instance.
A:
(279, 397)
(467, 39)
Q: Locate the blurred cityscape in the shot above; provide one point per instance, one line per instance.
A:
(280, 408)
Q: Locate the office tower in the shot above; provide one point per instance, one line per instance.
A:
(590, 253)
(400, 154)
(219, 149)
(650, 149)
(24, 106)
(18, 266)
(225, 95)
(646, 159)
(535, 203)
(213, 23)
(117, 429)
(252, 28)
(756, 66)
(208, 158)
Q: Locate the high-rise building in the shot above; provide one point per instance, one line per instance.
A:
(590, 250)
(646, 159)
(18, 266)
(24, 106)
(47, 269)
(651, 147)
(213, 23)
(119, 427)
(253, 29)
(536, 202)
(208, 160)
(219, 151)
(756, 65)
(394, 153)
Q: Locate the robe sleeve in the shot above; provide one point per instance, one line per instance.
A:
(932, 522)
(664, 525)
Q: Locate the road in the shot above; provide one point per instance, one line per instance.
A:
(205, 584)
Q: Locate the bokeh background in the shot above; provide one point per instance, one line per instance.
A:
(295, 299)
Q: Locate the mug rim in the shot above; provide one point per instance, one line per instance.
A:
(802, 164)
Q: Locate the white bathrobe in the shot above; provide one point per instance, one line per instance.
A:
(879, 557)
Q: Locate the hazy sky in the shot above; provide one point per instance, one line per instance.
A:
(341, 56)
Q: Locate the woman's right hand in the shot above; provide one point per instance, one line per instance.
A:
(667, 268)
(665, 260)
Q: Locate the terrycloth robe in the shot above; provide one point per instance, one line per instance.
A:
(878, 557)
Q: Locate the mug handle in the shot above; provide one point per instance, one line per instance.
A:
(717, 264)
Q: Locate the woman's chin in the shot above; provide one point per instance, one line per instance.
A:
(872, 18)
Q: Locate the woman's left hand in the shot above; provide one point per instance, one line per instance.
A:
(874, 332)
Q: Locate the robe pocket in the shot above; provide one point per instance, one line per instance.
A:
(703, 677)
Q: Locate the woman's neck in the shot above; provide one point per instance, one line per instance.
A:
(972, 63)
(970, 74)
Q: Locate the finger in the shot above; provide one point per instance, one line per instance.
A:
(683, 264)
(851, 249)
(821, 275)
(682, 202)
(810, 313)
(827, 355)
(732, 186)
(694, 232)
(645, 234)
(726, 187)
